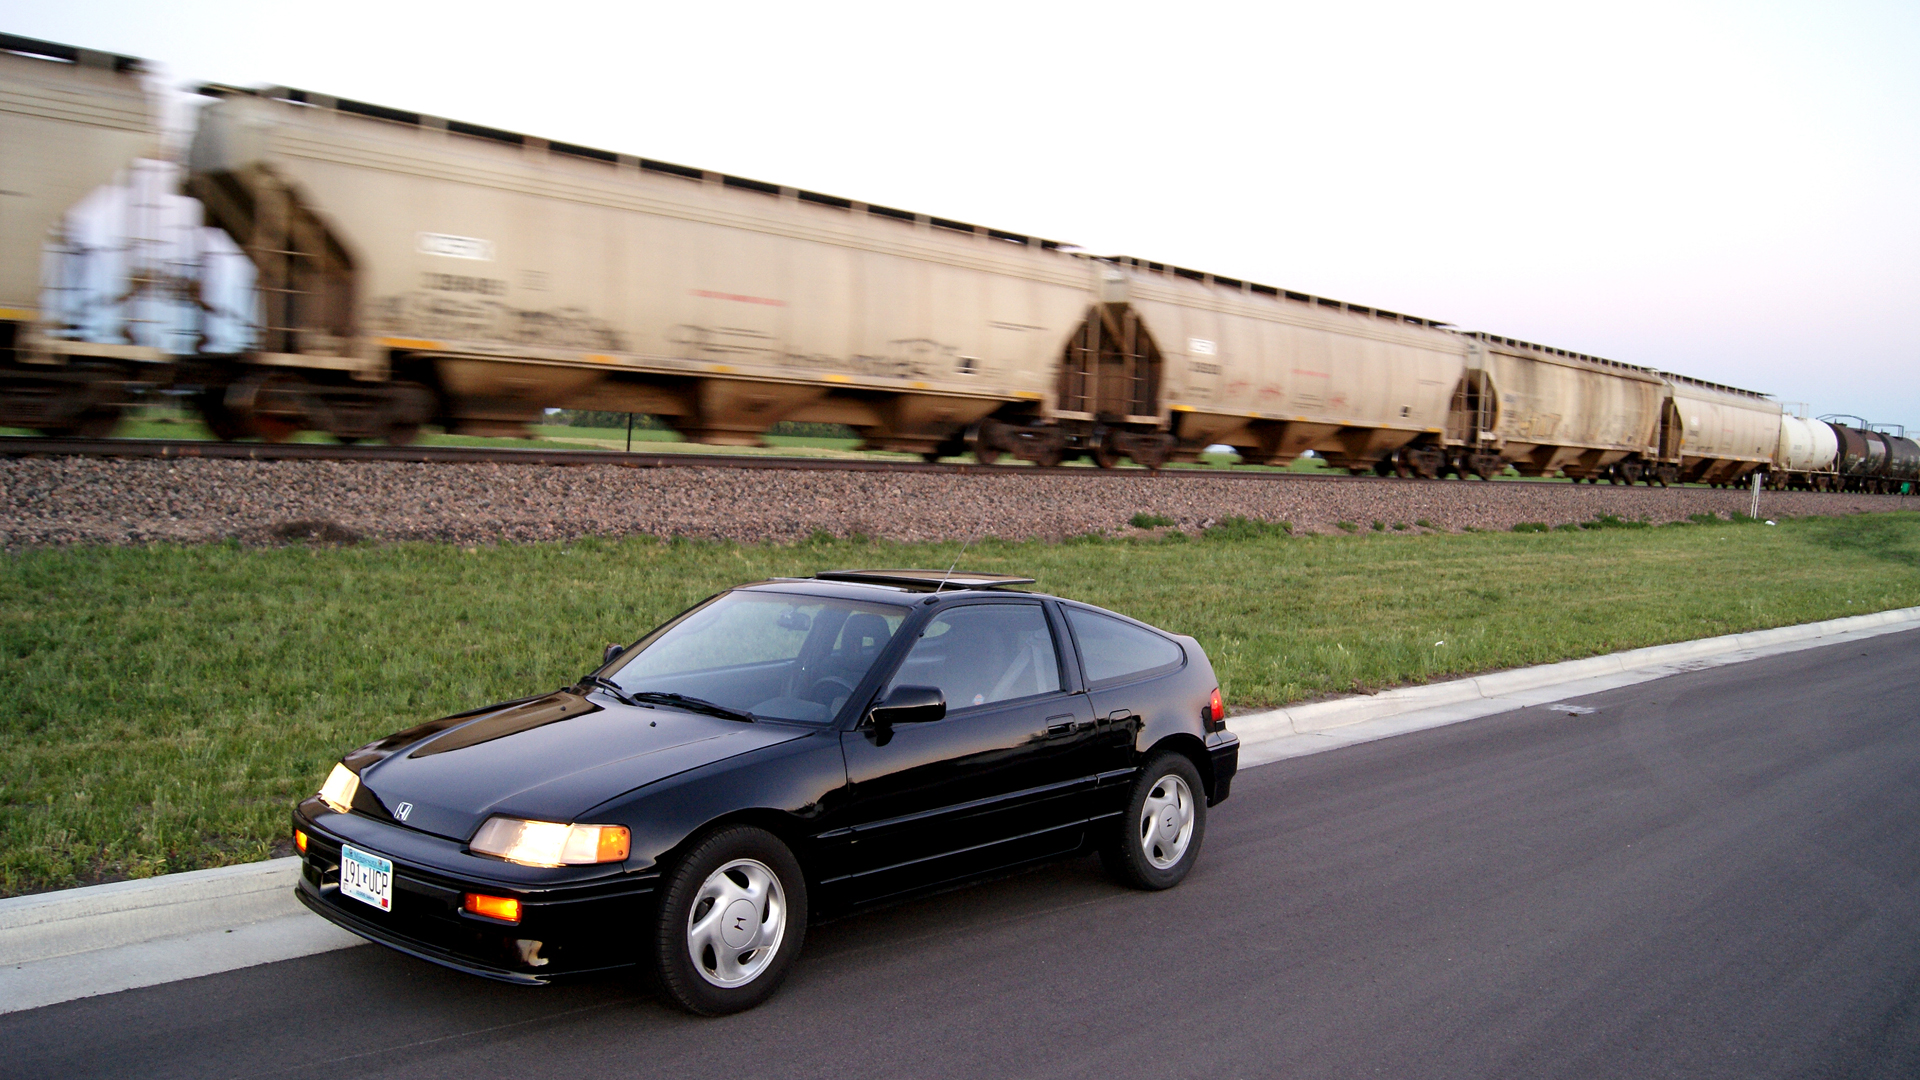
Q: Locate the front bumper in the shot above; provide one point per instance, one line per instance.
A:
(564, 928)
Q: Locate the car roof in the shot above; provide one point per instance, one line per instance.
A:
(912, 587)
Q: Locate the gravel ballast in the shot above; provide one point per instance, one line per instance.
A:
(48, 501)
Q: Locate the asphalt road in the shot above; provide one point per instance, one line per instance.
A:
(1715, 874)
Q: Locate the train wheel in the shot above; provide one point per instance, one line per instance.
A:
(219, 419)
(1100, 449)
(400, 434)
(275, 429)
(271, 404)
(97, 422)
(409, 405)
(976, 441)
(1152, 453)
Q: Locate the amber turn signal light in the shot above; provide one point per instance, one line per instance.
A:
(504, 908)
(300, 840)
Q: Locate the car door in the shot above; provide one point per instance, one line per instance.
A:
(1000, 780)
(1127, 667)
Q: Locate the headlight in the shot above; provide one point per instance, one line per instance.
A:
(548, 843)
(341, 786)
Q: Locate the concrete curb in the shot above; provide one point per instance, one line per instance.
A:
(101, 939)
(104, 938)
(54, 924)
(1324, 725)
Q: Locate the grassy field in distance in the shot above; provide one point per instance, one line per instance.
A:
(170, 423)
(161, 707)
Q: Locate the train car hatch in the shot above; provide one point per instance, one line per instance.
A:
(1111, 371)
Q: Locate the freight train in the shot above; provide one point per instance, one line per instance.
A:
(413, 270)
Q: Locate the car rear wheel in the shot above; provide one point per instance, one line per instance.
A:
(1158, 838)
(732, 915)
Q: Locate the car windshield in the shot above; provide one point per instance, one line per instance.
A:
(775, 656)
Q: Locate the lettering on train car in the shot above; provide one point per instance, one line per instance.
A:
(462, 283)
(453, 317)
(906, 358)
(455, 247)
(732, 344)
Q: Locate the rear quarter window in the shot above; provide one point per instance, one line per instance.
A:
(1113, 651)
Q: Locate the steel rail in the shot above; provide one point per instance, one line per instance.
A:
(178, 449)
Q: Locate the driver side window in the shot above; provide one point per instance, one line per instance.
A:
(982, 653)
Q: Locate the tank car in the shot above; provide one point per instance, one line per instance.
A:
(1873, 457)
(70, 120)
(1806, 457)
(1903, 458)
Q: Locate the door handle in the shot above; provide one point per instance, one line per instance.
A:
(1118, 715)
(1060, 725)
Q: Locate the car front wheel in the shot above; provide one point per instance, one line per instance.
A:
(1159, 835)
(732, 915)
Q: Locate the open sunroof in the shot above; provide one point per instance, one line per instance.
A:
(926, 579)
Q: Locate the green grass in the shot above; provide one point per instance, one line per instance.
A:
(162, 707)
(169, 425)
(165, 422)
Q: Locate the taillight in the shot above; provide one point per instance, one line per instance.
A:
(1216, 709)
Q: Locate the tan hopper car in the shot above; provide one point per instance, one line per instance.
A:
(402, 255)
(1546, 410)
(70, 119)
(412, 269)
(1720, 434)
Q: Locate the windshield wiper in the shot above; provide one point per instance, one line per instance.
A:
(610, 687)
(692, 704)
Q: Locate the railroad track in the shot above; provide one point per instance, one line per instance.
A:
(28, 446)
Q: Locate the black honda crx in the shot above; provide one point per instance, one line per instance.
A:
(783, 748)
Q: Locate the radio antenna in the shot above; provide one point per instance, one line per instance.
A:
(977, 530)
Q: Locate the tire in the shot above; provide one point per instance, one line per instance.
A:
(731, 867)
(1156, 841)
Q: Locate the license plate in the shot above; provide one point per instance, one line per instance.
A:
(366, 877)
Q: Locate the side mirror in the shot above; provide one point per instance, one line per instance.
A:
(910, 705)
(607, 654)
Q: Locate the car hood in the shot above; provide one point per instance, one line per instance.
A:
(548, 758)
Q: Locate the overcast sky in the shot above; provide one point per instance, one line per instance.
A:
(1730, 191)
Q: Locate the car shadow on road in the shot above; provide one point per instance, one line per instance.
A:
(371, 1011)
